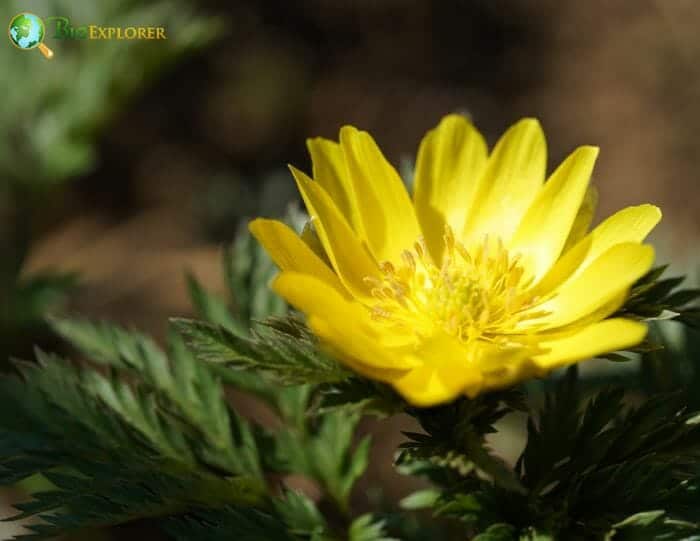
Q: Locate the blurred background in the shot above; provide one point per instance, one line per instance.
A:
(125, 164)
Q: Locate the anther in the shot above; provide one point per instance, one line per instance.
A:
(387, 268)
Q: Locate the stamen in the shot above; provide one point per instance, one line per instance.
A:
(476, 293)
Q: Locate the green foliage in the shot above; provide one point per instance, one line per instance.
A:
(226, 524)
(652, 525)
(455, 433)
(185, 385)
(141, 433)
(655, 298)
(581, 455)
(247, 270)
(151, 436)
(53, 114)
(85, 85)
(24, 303)
(360, 395)
(497, 532)
(282, 349)
(658, 300)
(134, 432)
(674, 366)
(296, 519)
(312, 448)
(301, 515)
(366, 528)
(589, 468)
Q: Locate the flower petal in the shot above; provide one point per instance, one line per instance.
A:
(510, 182)
(450, 161)
(446, 372)
(583, 219)
(382, 201)
(632, 224)
(504, 366)
(345, 325)
(600, 283)
(545, 227)
(290, 253)
(309, 237)
(605, 336)
(348, 256)
(605, 310)
(331, 172)
(334, 341)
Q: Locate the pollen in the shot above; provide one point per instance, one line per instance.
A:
(477, 293)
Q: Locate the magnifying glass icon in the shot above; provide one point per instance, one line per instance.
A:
(26, 32)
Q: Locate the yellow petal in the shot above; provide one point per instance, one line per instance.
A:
(601, 282)
(382, 201)
(423, 387)
(345, 325)
(447, 372)
(335, 343)
(606, 310)
(290, 253)
(310, 238)
(450, 161)
(603, 337)
(349, 258)
(584, 217)
(502, 366)
(511, 180)
(546, 225)
(331, 172)
(632, 224)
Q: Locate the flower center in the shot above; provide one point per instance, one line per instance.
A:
(479, 293)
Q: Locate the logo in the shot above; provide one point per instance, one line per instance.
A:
(27, 31)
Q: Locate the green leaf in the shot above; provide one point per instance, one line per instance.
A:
(283, 350)
(159, 440)
(421, 499)
(454, 437)
(34, 296)
(653, 525)
(589, 464)
(367, 528)
(241, 524)
(212, 308)
(112, 346)
(498, 532)
(654, 298)
(180, 381)
(300, 515)
(360, 395)
(321, 450)
(552, 436)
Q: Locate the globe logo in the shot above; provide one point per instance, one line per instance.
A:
(26, 32)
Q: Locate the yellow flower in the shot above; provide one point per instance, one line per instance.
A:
(487, 276)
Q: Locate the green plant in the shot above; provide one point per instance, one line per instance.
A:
(139, 433)
(54, 113)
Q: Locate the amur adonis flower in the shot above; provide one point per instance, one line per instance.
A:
(486, 276)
